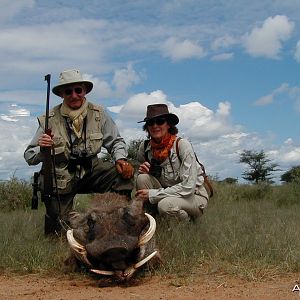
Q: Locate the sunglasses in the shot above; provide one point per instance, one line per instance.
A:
(69, 91)
(157, 121)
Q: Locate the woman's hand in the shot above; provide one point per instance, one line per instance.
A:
(144, 168)
(45, 140)
(143, 195)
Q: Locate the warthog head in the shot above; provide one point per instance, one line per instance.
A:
(113, 237)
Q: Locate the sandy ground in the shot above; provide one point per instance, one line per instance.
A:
(204, 287)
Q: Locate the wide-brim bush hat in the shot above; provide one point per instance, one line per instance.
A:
(70, 77)
(160, 110)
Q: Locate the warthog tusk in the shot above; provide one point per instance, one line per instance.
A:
(147, 236)
(130, 270)
(143, 261)
(103, 272)
(78, 249)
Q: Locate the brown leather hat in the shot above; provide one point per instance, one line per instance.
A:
(160, 110)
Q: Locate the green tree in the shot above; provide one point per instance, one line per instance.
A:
(292, 175)
(230, 180)
(133, 148)
(260, 167)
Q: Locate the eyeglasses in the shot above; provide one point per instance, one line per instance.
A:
(69, 91)
(157, 121)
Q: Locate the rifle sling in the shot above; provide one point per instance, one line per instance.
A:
(206, 180)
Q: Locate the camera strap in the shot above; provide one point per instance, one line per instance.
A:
(206, 179)
(146, 143)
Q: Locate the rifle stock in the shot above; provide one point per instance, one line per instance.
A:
(35, 187)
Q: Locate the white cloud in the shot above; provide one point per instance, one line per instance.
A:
(47, 47)
(267, 40)
(268, 99)
(222, 56)
(290, 92)
(135, 107)
(14, 113)
(8, 118)
(12, 8)
(223, 42)
(15, 134)
(123, 80)
(19, 112)
(292, 156)
(297, 52)
(224, 109)
(179, 50)
(115, 109)
(288, 141)
(199, 122)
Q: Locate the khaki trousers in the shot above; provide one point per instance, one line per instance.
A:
(182, 208)
(102, 178)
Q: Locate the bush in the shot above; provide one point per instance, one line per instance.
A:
(255, 192)
(287, 195)
(15, 194)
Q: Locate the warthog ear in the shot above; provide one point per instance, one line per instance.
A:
(75, 219)
(91, 221)
(135, 220)
(93, 216)
(128, 217)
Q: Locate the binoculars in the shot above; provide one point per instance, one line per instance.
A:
(155, 168)
(82, 158)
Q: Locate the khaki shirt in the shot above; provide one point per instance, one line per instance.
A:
(180, 177)
(100, 131)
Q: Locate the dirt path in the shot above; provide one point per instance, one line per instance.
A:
(205, 287)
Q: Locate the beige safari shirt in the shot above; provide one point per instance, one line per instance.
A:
(179, 178)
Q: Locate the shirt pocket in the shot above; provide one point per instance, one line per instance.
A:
(60, 154)
(170, 172)
(95, 142)
(64, 180)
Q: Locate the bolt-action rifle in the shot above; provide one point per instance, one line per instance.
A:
(47, 163)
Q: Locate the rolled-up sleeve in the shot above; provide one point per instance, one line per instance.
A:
(188, 177)
(32, 154)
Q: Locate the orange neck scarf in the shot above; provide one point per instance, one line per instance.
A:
(160, 151)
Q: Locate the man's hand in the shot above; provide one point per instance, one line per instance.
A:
(124, 168)
(45, 140)
(142, 195)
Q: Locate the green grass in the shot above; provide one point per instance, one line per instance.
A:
(247, 231)
(24, 248)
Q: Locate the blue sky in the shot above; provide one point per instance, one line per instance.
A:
(228, 69)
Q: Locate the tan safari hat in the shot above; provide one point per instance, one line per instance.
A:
(69, 77)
